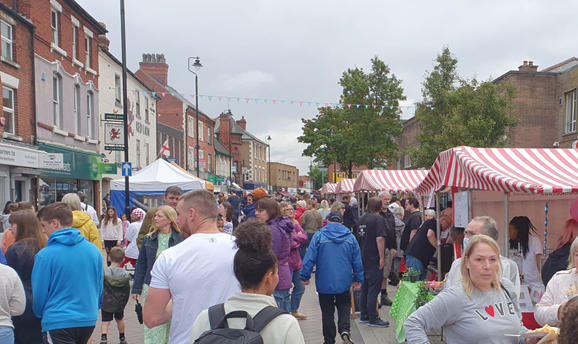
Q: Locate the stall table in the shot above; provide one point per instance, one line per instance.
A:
(403, 306)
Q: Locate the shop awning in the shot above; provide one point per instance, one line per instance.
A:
(528, 170)
(345, 186)
(389, 180)
(328, 188)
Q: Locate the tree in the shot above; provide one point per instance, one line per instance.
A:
(457, 112)
(318, 177)
(361, 130)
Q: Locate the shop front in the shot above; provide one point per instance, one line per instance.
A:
(19, 169)
(78, 174)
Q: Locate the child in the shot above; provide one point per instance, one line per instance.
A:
(116, 294)
(125, 224)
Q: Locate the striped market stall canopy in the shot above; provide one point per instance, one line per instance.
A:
(529, 170)
(389, 180)
(328, 188)
(345, 186)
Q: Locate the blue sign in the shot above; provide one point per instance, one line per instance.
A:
(126, 168)
(175, 160)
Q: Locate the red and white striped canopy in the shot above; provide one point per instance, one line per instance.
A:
(529, 170)
(328, 188)
(345, 186)
(389, 180)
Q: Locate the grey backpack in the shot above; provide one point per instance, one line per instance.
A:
(220, 333)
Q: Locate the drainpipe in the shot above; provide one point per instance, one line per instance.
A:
(33, 32)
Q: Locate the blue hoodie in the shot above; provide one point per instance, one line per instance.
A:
(336, 253)
(249, 211)
(67, 281)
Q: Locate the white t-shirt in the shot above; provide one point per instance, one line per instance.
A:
(529, 268)
(131, 235)
(199, 273)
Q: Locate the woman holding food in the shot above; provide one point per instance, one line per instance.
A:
(482, 308)
(561, 288)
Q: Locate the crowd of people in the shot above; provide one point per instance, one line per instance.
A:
(204, 265)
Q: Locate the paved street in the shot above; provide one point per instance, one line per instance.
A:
(361, 333)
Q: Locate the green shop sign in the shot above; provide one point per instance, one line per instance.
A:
(107, 168)
(77, 164)
(212, 178)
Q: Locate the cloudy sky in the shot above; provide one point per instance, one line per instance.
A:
(297, 50)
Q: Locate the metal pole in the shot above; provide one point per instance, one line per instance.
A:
(197, 110)
(124, 105)
(438, 231)
(269, 168)
(506, 226)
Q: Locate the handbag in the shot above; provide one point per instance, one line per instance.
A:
(138, 310)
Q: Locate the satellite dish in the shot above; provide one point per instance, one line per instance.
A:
(575, 144)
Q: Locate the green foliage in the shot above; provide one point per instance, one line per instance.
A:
(318, 177)
(358, 136)
(424, 294)
(405, 277)
(457, 112)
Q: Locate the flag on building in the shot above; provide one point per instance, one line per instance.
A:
(165, 148)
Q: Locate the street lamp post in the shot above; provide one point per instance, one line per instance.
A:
(269, 164)
(197, 65)
(124, 105)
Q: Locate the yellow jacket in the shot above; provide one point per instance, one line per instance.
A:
(83, 222)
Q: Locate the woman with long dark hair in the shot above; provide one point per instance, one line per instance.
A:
(268, 211)
(111, 230)
(255, 267)
(227, 213)
(529, 247)
(20, 256)
(558, 260)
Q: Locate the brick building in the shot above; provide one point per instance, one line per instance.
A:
(284, 178)
(177, 116)
(306, 184)
(19, 155)
(66, 95)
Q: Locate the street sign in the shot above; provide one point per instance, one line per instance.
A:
(175, 160)
(104, 168)
(114, 148)
(113, 116)
(126, 168)
(323, 169)
(113, 133)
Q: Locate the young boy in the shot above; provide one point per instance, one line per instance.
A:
(116, 294)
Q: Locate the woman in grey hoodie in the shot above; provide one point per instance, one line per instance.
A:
(481, 309)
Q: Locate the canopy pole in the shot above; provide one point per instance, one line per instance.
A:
(506, 226)
(438, 231)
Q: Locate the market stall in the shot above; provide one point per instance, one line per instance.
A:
(344, 186)
(389, 180)
(328, 188)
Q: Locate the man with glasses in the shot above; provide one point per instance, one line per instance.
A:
(488, 226)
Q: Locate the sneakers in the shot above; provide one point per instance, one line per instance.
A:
(298, 315)
(123, 341)
(363, 321)
(103, 339)
(346, 338)
(379, 323)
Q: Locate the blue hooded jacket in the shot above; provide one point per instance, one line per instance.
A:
(249, 211)
(67, 281)
(336, 253)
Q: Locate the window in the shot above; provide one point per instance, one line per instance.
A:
(8, 104)
(57, 101)
(406, 161)
(74, 42)
(209, 163)
(146, 109)
(89, 112)
(77, 116)
(191, 157)
(201, 158)
(137, 153)
(7, 51)
(137, 106)
(209, 135)
(87, 51)
(55, 28)
(201, 128)
(191, 126)
(117, 95)
(146, 147)
(571, 112)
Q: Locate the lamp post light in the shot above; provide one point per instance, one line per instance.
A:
(269, 164)
(196, 65)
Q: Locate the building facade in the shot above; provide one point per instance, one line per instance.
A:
(223, 171)
(306, 184)
(284, 177)
(230, 134)
(142, 116)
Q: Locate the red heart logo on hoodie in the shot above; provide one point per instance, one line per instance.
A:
(490, 310)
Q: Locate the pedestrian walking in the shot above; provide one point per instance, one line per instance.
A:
(82, 221)
(67, 279)
(111, 230)
(390, 244)
(20, 256)
(171, 198)
(165, 233)
(268, 212)
(87, 208)
(336, 254)
(249, 209)
(255, 267)
(195, 274)
(12, 302)
(298, 237)
(226, 212)
(311, 221)
(131, 252)
(116, 295)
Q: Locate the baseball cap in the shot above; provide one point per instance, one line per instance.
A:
(259, 193)
(139, 213)
(335, 216)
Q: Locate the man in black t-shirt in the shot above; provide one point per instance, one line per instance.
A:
(421, 248)
(412, 221)
(390, 243)
(348, 216)
(371, 236)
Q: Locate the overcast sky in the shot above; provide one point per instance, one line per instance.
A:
(297, 50)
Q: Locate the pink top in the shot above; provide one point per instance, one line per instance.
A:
(298, 237)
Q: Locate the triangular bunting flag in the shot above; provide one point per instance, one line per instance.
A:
(374, 106)
(229, 98)
(144, 94)
(407, 108)
(265, 100)
(238, 99)
(220, 98)
(274, 101)
(292, 102)
(133, 92)
(399, 107)
(282, 102)
(432, 107)
(357, 106)
(154, 94)
(300, 103)
(391, 107)
(309, 103)
(210, 97)
(366, 106)
(317, 104)
(349, 106)
(172, 94)
(247, 99)
(163, 94)
(256, 101)
(200, 96)
(382, 107)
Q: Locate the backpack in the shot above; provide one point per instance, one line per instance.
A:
(220, 333)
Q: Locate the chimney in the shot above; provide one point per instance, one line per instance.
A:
(528, 66)
(225, 129)
(156, 66)
(242, 123)
(102, 40)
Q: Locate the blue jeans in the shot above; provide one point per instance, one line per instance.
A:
(414, 263)
(282, 297)
(298, 290)
(304, 246)
(6, 335)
